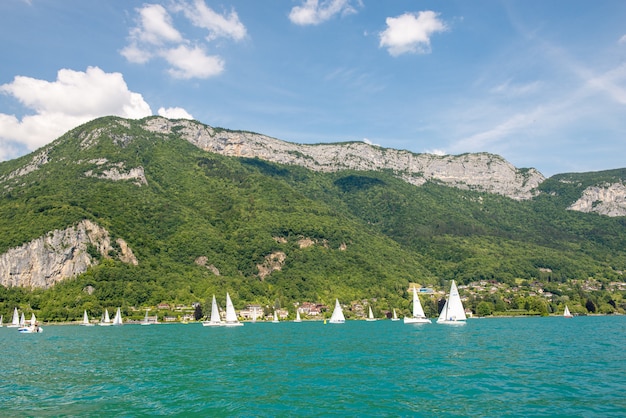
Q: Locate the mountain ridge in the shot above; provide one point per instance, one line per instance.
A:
(198, 222)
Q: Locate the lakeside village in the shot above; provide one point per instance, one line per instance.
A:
(480, 298)
(477, 299)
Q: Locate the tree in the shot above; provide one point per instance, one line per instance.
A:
(197, 313)
(484, 309)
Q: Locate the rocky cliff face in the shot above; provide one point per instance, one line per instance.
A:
(484, 172)
(608, 199)
(59, 255)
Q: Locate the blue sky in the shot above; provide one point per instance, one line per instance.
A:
(542, 83)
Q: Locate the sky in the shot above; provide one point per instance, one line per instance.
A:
(541, 83)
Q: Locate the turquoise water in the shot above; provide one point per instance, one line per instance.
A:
(489, 367)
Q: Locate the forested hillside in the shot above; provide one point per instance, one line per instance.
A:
(202, 224)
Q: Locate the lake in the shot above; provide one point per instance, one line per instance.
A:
(490, 367)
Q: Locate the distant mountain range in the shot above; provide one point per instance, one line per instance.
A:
(135, 212)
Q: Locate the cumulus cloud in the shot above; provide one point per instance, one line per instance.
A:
(192, 63)
(410, 32)
(55, 107)
(155, 36)
(622, 40)
(369, 142)
(174, 113)
(312, 12)
(438, 152)
(218, 25)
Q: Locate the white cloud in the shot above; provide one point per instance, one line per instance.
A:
(174, 113)
(411, 33)
(511, 89)
(438, 152)
(156, 37)
(622, 40)
(155, 26)
(218, 25)
(192, 63)
(75, 97)
(369, 142)
(314, 13)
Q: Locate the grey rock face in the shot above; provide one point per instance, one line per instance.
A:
(609, 200)
(58, 255)
(483, 172)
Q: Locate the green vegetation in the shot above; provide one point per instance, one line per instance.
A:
(370, 233)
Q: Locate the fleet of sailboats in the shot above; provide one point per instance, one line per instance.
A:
(337, 316)
(453, 311)
(418, 312)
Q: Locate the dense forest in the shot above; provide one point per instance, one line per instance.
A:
(349, 235)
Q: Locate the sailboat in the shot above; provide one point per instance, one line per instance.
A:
(297, 316)
(32, 328)
(215, 320)
(86, 322)
(418, 312)
(118, 317)
(15, 323)
(146, 319)
(395, 316)
(337, 316)
(567, 313)
(0, 321)
(453, 311)
(370, 316)
(106, 321)
(231, 315)
(275, 320)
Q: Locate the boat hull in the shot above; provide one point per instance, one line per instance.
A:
(212, 324)
(417, 321)
(30, 330)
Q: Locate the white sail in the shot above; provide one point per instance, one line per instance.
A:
(15, 322)
(275, 320)
(370, 315)
(22, 320)
(214, 320)
(33, 320)
(1, 320)
(395, 316)
(419, 317)
(453, 311)
(107, 320)
(337, 316)
(231, 315)
(567, 313)
(118, 317)
(146, 319)
(298, 316)
(85, 321)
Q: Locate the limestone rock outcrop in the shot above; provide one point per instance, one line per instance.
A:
(59, 255)
(607, 199)
(482, 171)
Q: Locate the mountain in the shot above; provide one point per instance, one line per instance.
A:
(137, 212)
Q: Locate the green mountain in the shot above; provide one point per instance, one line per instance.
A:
(177, 224)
